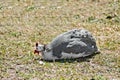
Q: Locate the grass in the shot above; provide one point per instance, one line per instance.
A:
(25, 22)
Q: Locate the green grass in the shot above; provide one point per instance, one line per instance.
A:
(25, 22)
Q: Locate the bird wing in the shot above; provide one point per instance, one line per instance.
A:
(76, 47)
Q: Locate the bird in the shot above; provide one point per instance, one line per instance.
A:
(72, 44)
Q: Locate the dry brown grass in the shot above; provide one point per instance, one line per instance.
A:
(25, 22)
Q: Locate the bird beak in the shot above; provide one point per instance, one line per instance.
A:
(36, 52)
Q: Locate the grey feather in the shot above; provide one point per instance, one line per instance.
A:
(74, 41)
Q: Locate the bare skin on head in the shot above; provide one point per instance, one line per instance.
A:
(39, 48)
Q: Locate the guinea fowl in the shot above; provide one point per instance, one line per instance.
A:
(69, 45)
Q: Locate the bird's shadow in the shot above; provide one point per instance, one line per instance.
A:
(81, 59)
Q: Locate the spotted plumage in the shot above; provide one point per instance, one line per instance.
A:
(72, 44)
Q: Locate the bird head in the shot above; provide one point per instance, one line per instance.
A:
(39, 48)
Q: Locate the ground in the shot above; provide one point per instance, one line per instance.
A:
(25, 22)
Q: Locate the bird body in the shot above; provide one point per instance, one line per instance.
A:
(72, 44)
